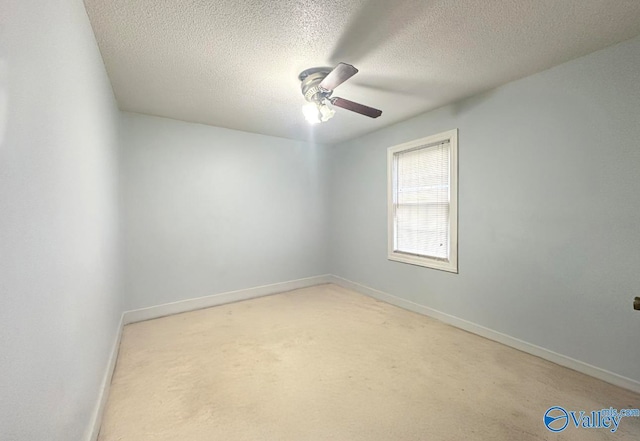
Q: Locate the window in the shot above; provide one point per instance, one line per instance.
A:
(423, 202)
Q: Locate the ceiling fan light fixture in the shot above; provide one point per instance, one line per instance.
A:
(311, 113)
(326, 110)
(316, 113)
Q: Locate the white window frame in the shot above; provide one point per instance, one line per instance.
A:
(430, 262)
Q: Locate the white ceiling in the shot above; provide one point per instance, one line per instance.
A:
(234, 63)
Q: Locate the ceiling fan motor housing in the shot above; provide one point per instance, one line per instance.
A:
(311, 79)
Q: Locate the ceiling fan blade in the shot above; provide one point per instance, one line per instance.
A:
(355, 107)
(341, 73)
(359, 37)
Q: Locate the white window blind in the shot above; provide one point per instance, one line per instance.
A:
(421, 201)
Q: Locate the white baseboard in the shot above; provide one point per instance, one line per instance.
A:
(562, 360)
(138, 315)
(96, 419)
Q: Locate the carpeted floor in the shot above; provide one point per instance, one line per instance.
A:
(325, 363)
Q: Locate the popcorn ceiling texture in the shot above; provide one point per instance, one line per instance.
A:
(235, 63)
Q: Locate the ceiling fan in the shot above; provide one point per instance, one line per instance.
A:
(318, 84)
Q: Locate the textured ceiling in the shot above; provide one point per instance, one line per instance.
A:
(234, 63)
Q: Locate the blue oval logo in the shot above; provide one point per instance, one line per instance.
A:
(556, 419)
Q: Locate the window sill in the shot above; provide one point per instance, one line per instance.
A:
(451, 267)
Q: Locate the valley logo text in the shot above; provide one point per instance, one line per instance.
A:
(556, 418)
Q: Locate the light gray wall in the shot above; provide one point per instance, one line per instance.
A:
(549, 210)
(59, 297)
(210, 210)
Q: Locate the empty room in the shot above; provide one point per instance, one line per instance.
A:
(357, 220)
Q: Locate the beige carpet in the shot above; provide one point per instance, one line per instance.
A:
(325, 363)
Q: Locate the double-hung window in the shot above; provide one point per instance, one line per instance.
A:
(423, 202)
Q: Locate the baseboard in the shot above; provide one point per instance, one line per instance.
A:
(562, 360)
(153, 312)
(96, 420)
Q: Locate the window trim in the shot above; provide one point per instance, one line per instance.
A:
(428, 262)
